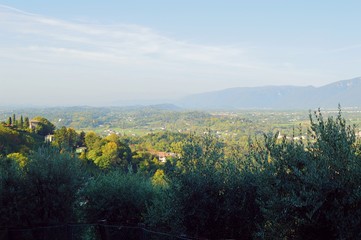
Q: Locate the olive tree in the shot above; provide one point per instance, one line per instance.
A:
(312, 189)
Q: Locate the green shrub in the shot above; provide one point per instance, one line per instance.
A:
(11, 193)
(53, 181)
(117, 197)
(44, 191)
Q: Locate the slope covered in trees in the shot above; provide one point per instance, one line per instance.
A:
(288, 188)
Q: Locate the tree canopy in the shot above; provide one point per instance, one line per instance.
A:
(273, 188)
(44, 126)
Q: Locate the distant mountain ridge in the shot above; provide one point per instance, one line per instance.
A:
(345, 92)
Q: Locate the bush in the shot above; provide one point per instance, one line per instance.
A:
(11, 193)
(44, 191)
(117, 197)
(53, 180)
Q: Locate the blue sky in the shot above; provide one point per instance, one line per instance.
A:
(107, 52)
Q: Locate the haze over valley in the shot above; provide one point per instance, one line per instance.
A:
(103, 54)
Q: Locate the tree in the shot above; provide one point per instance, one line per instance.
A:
(44, 126)
(11, 193)
(14, 120)
(52, 181)
(81, 139)
(94, 145)
(124, 154)
(109, 156)
(206, 196)
(41, 193)
(66, 138)
(9, 122)
(10, 140)
(312, 189)
(114, 155)
(21, 124)
(159, 178)
(90, 139)
(143, 162)
(109, 152)
(117, 197)
(26, 123)
(19, 158)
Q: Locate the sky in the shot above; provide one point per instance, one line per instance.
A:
(97, 53)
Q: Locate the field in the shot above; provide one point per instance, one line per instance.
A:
(140, 121)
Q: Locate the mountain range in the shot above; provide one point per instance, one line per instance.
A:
(347, 93)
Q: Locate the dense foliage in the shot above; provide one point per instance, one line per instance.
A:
(44, 126)
(313, 190)
(43, 192)
(207, 195)
(272, 188)
(117, 198)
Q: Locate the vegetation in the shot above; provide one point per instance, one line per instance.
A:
(43, 192)
(306, 186)
(44, 126)
(313, 189)
(117, 197)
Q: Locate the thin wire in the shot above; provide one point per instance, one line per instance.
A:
(95, 224)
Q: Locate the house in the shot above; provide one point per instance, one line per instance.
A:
(80, 150)
(162, 156)
(33, 124)
(49, 138)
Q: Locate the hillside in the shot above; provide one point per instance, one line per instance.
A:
(346, 92)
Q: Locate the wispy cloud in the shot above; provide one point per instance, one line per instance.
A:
(113, 43)
(129, 58)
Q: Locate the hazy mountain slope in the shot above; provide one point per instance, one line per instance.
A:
(346, 92)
